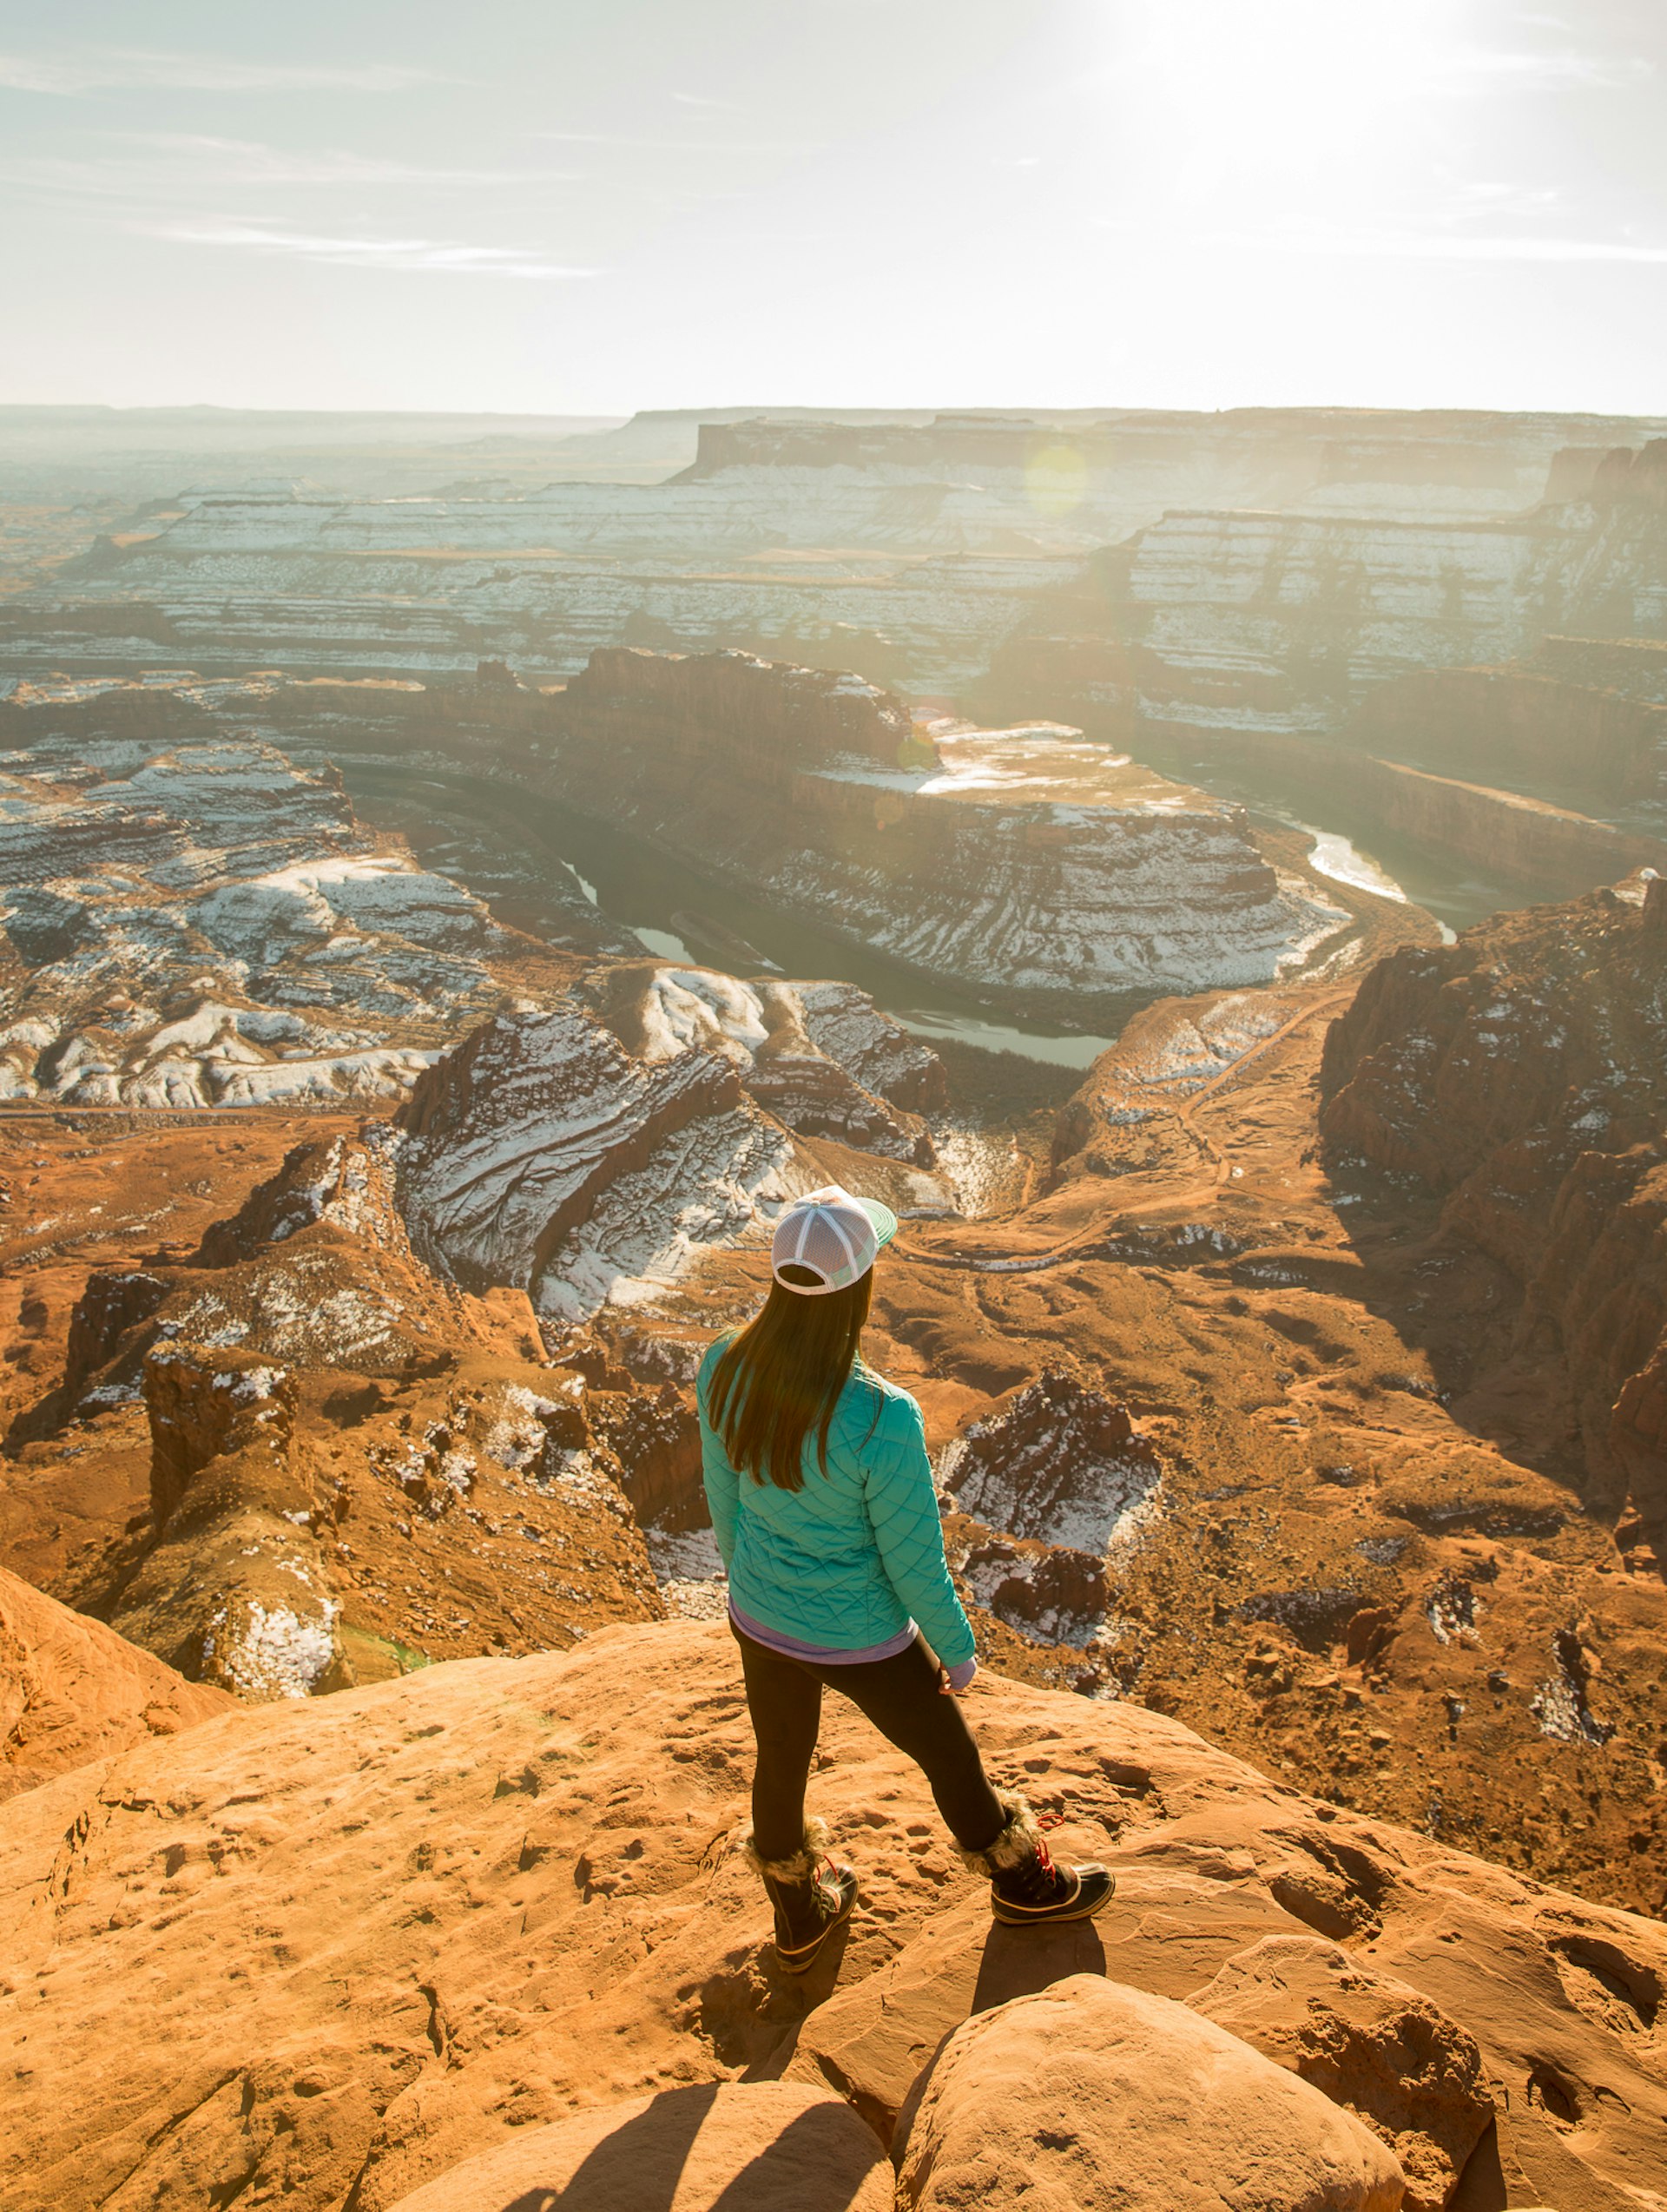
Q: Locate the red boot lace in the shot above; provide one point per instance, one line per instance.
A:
(1045, 1870)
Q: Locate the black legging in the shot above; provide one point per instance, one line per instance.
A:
(900, 1697)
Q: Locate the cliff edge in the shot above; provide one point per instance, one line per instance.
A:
(443, 1910)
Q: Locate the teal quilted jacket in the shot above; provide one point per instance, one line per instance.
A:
(847, 1560)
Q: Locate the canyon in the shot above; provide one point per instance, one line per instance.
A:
(1227, 597)
(447, 919)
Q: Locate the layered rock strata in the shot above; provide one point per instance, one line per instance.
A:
(589, 1156)
(765, 1030)
(1023, 863)
(1248, 616)
(911, 548)
(204, 923)
(1279, 645)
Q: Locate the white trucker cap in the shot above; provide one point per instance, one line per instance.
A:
(833, 1234)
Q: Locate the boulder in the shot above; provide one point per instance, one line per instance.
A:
(1369, 2042)
(739, 2147)
(871, 2039)
(1092, 2095)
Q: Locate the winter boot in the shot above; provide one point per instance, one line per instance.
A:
(812, 1894)
(1026, 1888)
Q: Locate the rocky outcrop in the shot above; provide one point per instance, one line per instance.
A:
(1369, 2042)
(795, 1046)
(72, 1692)
(231, 1590)
(534, 1918)
(354, 1467)
(1056, 1460)
(207, 924)
(1032, 2104)
(587, 1157)
(1039, 871)
(874, 1051)
(544, 1155)
(1520, 1073)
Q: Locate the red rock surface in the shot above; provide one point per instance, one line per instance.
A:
(1369, 2042)
(1522, 1074)
(739, 2147)
(444, 1909)
(1037, 2103)
(71, 1691)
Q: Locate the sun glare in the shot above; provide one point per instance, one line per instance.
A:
(1246, 95)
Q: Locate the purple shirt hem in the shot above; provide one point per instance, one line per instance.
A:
(791, 1648)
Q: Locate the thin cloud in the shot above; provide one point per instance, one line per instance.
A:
(1442, 246)
(115, 68)
(427, 256)
(238, 160)
(679, 145)
(1480, 66)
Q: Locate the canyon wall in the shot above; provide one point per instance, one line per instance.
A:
(1042, 872)
(1634, 666)
(1526, 726)
(1298, 615)
(909, 550)
(1387, 462)
(1522, 1073)
(1549, 851)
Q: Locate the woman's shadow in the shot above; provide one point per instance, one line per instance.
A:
(811, 2165)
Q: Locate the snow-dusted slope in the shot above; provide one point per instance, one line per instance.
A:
(208, 924)
(590, 1153)
(912, 548)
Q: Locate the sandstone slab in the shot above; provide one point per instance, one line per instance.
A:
(1368, 2042)
(871, 2040)
(476, 1898)
(72, 1690)
(758, 2147)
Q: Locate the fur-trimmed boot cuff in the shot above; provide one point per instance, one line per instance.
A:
(1014, 1844)
(799, 1867)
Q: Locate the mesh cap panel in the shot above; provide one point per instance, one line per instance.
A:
(833, 1234)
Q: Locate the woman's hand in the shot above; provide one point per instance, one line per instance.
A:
(953, 1681)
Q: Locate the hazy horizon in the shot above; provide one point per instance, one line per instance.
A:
(898, 204)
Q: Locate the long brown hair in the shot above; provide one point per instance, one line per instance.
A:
(781, 1378)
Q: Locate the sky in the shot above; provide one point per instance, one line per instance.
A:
(589, 206)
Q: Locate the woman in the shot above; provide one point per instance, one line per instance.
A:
(823, 1506)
